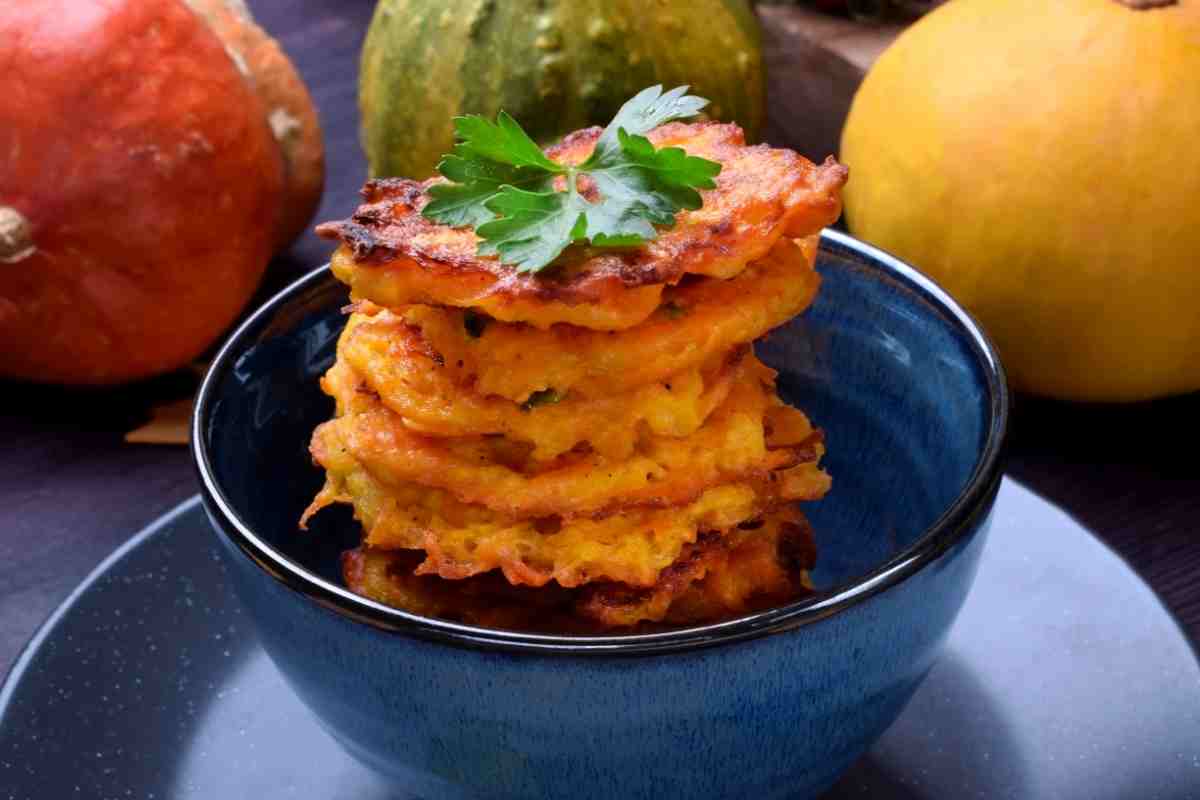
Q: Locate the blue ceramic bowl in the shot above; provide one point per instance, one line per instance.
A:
(774, 705)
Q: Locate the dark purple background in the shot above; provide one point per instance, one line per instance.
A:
(71, 490)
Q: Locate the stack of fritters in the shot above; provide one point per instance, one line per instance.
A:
(594, 447)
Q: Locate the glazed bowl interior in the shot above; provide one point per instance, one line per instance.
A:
(907, 390)
(908, 403)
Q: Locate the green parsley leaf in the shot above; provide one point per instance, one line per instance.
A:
(502, 184)
(503, 141)
(464, 202)
(618, 223)
(644, 112)
(487, 157)
(673, 170)
(533, 228)
(546, 397)
(652, 184)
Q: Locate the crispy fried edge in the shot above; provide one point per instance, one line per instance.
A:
(396, 377)
(697, 321)
(695, 589)
(378, 439)
(601, 290)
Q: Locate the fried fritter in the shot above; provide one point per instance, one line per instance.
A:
(630, 548)
(393, 256)
(719, 576)
(753, 567)
(461, 540)
(593, 448)
(381, 355)
(698, 321)
(489, 601)
(497, 473)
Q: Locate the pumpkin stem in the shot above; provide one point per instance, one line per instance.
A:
(1144, 5)
(16, 236)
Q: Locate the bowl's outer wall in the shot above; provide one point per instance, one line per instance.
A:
(905, 403)
(780, 716)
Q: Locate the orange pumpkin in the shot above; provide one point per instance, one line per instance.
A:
(290, 109)
(142, 188)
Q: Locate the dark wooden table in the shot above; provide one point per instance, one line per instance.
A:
(71, 490)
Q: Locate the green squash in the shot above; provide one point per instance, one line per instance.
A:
(554, 65)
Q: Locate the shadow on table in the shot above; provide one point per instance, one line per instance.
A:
(1127, 472)
(1157, 438)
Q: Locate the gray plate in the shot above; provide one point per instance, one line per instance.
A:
(1063, 678)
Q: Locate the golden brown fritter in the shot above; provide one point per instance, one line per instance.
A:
(488, 601)
(381, 356)
(462, 539)
(698, 321)
(393, 256)
(756, 566)
(733, 445)
(594, 448)
(720, 575)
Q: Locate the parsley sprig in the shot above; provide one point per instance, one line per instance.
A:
(502, 184)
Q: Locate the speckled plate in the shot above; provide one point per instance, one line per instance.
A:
(1063, 678)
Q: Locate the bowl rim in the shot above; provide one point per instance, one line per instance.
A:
(959, 518)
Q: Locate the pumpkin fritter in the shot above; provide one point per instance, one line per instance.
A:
(755, 566)
(380, 355)
(592, 448)
(698, 321)
(393, 256)
(489, 601)
(762, 564)
(632, 546)
(732, 445)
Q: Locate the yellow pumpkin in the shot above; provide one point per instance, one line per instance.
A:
(1041, 160)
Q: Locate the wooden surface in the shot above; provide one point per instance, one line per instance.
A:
(71, 490)
(815, 62)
